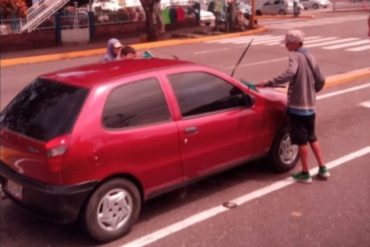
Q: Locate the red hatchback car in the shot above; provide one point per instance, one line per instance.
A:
(92, 143)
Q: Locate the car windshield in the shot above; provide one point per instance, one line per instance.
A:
(44, 109)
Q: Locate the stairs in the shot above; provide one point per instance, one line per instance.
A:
(40, 11)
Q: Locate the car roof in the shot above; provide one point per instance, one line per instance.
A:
(94, 74)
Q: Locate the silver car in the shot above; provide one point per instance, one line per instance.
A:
(315, 4)
(274, 7)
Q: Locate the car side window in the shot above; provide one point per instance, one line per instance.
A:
(137, 103)
(199, 92)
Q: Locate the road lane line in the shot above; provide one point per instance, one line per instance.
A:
(328, 95)
(209, 213)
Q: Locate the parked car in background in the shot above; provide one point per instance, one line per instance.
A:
(245, 8)
(207, 18)
(92, 143)
(315, 4)
(276, 7)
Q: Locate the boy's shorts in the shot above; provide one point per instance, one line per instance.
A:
(302, 129)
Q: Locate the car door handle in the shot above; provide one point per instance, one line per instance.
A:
(191, 130)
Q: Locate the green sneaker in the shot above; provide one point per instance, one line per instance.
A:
(302, 177)
(323, 172)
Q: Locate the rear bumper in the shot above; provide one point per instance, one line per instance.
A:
(55, 202)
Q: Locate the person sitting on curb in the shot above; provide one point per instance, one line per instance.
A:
(302, 74)
(113, 50)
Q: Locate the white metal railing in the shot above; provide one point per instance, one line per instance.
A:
(40, 11)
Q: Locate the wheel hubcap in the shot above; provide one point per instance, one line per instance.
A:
(288, 152)
(114, 209)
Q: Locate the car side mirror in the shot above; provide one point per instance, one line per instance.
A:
(248, 100)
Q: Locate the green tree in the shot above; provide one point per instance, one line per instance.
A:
(13, 8)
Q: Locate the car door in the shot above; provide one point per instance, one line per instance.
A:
(268, 7)
(219, 124)
(141, 138)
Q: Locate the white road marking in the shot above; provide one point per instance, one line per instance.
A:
(361, 48)
(360, 42)
(328, 95)
(209, 213)
(330, 42)
(260, 41)
(305, 40)
(318, 40)
(365, 104)
(210, 51)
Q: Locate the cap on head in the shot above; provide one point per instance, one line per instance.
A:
(117, 44)
(294, 36)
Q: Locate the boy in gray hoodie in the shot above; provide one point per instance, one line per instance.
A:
(302, 74)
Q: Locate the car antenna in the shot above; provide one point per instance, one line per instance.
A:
(241, 57)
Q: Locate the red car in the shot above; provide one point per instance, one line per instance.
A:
(92, 143)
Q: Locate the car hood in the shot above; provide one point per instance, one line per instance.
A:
(273, 93)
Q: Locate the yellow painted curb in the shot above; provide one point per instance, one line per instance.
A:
(141, 46)
(338, 79)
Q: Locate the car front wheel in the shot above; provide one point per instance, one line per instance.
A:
(112, 210)
(283, 155)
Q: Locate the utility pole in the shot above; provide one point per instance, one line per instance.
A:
(253, 14)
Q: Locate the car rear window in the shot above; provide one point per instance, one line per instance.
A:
(44, 109)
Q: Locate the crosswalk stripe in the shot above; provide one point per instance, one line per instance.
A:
(361, 48)
(330, 42)
(319, 40)
(255, 42)
(231, 40)
(279, 42)
(360, 42)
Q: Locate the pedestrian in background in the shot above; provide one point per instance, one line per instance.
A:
(114, 47)
(128, 52)
(302, 72)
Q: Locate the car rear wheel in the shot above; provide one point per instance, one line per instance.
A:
(282, 12)
(112, 210)
(258, 12)
(315, 6)
(284, 156)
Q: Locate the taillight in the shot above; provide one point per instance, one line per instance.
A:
(55, 150)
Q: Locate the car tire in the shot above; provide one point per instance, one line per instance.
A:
(258, 12)
(283, 155)
(111, 210)
(282, 12)
(315, 6)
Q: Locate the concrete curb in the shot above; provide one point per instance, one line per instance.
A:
(335, 80)
(141, 46)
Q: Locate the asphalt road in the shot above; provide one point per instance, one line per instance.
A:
(271, 211)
